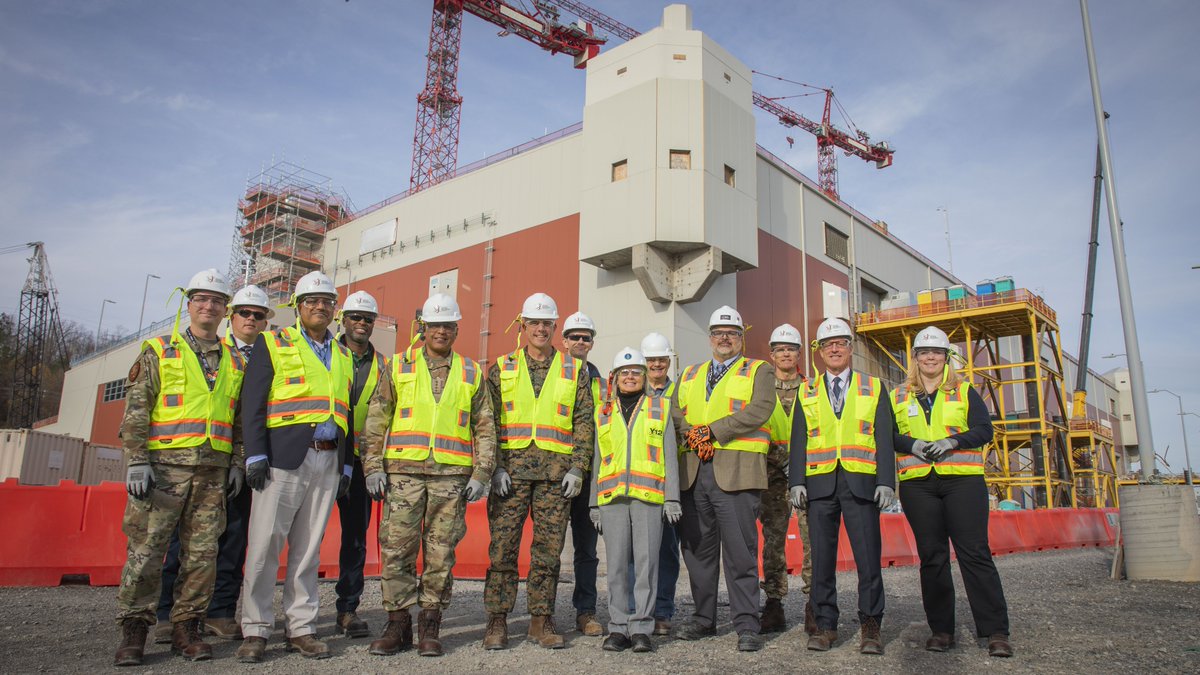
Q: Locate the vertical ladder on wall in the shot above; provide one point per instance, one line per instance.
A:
(486, 312)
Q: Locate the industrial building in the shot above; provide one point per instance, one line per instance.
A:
(654, 210)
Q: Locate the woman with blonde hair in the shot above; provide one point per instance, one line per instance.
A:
(942, 425)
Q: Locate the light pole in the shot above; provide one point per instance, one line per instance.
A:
(101, 323)
(145, 289)
(337, 248)
(1187, 457)
(949, 249)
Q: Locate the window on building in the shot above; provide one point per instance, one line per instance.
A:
(729, 176)
(681, 159)
(1112, 406)
(837, 245)
(1127, 417)
(113, 391)
(620, 170)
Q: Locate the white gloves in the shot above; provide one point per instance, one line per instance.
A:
(940, 449)
(920, 448)
(377, 484)
(572, 484)
(139, 481)
(672, 511)
(885, 497)
(501, 483)
(594, 514)
(474, 490)
(799, 497)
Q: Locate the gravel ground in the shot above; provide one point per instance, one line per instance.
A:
(1067, 617)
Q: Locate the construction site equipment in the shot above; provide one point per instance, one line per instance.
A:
(435, 142)
(281, 226)
(1030, 459)
(40, 338)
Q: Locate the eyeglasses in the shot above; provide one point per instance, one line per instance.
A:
(629, 372)
(313, 301)
(725, 333)
(214, 300)
(360, 318)
(578, 337)
(251, 314)
(835, 344)
(444, 327)
(538, 323)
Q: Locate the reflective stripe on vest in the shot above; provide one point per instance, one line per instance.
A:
(420, 424)
(631, 458)
(545, 420)
(731, 394)
(186, 414)
(849, 440)
(364, 398)
(302, 390)
(947, 418)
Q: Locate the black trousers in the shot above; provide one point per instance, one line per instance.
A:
(717, 528)
(862, 528)
(945, 509)
(583, 540)
(231, 557)
(354, 511)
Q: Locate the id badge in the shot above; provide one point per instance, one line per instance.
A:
(914, 410)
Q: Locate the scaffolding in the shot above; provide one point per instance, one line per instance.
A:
(1013, 357)
(281, 225)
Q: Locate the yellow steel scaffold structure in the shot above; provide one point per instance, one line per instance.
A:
(1035, 457)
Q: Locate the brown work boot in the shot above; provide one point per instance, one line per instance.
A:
(397, 635)
(541, 630)
(496, 636)
(588, 625)
(187, 642)
(226, 628)
(308, 646)
(772, 620)
(662, 626)
(429, 622)
(133, 642)
(870, 642)
(822, 640)
(162, 633)
(810, 619)
(351, 625)
(252, 650)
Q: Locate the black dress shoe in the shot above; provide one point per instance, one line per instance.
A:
(616, 642)
(642, 643)
(999, 646)
(692, 630)
(749, 641)
(939, 642)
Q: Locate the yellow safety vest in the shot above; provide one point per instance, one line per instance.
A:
(849, 440)
(420, 424)
(948, 417)
(631, 459)
(596, 392)
(364, 397)
(303, 391)
(546, 419)
(780, 423)
(186, 413)
(731, 394)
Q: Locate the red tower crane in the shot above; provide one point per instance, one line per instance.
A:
(435, 144)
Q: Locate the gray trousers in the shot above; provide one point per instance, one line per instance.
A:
(632, 533)
(716, 527)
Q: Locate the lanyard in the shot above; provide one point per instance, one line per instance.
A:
(210, 373)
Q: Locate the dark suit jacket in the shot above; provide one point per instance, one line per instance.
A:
(861, 484)
(285, 447)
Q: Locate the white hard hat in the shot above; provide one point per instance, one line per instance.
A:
(725, 316)
(628, 357)
(209, 280)
(579, 321)
(360, 301)
(656, 344)
(313, 283)
(252, 296)
(539, 306)
(786, 334)
(931, 338)
(440, 308)
(832, 328)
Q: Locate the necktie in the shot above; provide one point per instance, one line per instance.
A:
(245, 350)
(837, 396)
(714, 375)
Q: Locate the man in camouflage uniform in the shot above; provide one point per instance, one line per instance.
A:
(775, 510)
(426, 475)
(182, 442)
(543, 403)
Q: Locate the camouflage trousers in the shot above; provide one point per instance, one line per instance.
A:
(427, 513)
(775, 511)
(192, 498)
(543, 500)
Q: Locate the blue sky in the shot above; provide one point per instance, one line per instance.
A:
(129, 128)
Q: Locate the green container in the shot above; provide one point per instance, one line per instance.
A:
(957, 292)
(1004, 284)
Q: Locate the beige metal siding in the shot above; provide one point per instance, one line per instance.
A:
(38, 458)
(102, 463)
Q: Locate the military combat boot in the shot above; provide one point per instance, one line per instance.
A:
(133, 642)
(397, 635)
(541, 630)
(429, 622)
(496, 636)
(187, 642)
(773, 620)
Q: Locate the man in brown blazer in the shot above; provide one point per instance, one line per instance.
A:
(721, 410)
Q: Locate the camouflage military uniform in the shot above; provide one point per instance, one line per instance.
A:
(188, 493)
(775, 510)
(426, 492)
(536, 490)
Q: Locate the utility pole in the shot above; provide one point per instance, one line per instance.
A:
(949, 249)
